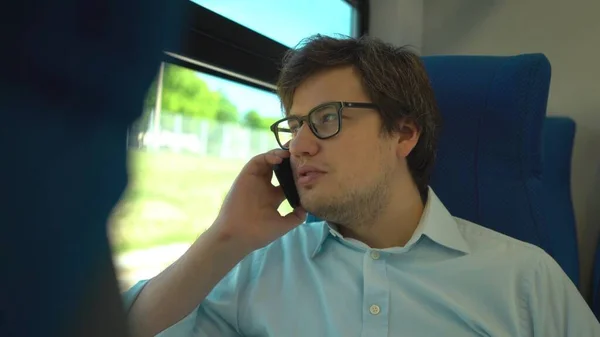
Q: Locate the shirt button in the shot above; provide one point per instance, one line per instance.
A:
(374, 309)
(375, 255)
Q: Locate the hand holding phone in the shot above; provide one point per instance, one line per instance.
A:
(285, 176)
(249, 217)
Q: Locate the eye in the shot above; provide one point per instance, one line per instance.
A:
(329, 117)
(325, 115)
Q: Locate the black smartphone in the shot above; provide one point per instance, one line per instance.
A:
(283, 172)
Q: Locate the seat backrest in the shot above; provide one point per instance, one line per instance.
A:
(557, 149)
(489, 163)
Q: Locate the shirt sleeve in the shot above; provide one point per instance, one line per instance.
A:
(131, 295)
(556, 305)
(215, 316)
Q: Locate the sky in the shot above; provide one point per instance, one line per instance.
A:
(285, 21)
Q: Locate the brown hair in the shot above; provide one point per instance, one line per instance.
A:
(393, 77)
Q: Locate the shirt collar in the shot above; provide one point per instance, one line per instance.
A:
(436, 223)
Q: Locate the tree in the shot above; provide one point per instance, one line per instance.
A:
(185, 93)
(267, 122)
(253, 120)
(227, 112)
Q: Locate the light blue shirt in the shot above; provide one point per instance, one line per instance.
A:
(453, 278)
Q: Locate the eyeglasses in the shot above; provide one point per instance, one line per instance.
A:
(324, 120)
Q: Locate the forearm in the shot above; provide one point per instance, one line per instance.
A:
(174, 293)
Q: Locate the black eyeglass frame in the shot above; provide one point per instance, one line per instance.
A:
(339, 108)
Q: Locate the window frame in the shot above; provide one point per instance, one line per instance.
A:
(214, 44)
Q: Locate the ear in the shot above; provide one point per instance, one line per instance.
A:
(408, 137)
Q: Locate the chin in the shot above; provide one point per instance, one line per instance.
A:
(313, 202)
(309, 199)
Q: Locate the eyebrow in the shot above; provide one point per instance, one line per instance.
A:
(292, 114)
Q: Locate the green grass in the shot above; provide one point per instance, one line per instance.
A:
(171, 198)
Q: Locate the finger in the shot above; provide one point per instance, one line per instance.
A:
(274, 157)
(280, 152)
(262, 164)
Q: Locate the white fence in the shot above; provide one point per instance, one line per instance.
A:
(178, 133)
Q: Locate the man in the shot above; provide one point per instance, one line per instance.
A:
(360, 128)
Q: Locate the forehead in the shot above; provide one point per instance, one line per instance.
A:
(338, 84)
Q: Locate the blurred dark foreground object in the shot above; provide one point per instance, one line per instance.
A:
(73, 77)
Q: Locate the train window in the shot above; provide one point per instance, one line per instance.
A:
(288, 22)
(184, 153)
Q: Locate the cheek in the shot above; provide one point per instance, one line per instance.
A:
(353, 158)
(364, 152)
(358, 164)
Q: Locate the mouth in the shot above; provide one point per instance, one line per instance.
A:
(308, 175)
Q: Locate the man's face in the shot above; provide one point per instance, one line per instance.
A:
(344, 179)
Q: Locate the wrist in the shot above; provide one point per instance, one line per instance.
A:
(225, 242)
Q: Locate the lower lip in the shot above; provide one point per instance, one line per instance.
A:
(309, 178)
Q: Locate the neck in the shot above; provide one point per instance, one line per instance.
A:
(395, 225)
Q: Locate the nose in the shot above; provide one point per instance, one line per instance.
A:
(304, 143)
